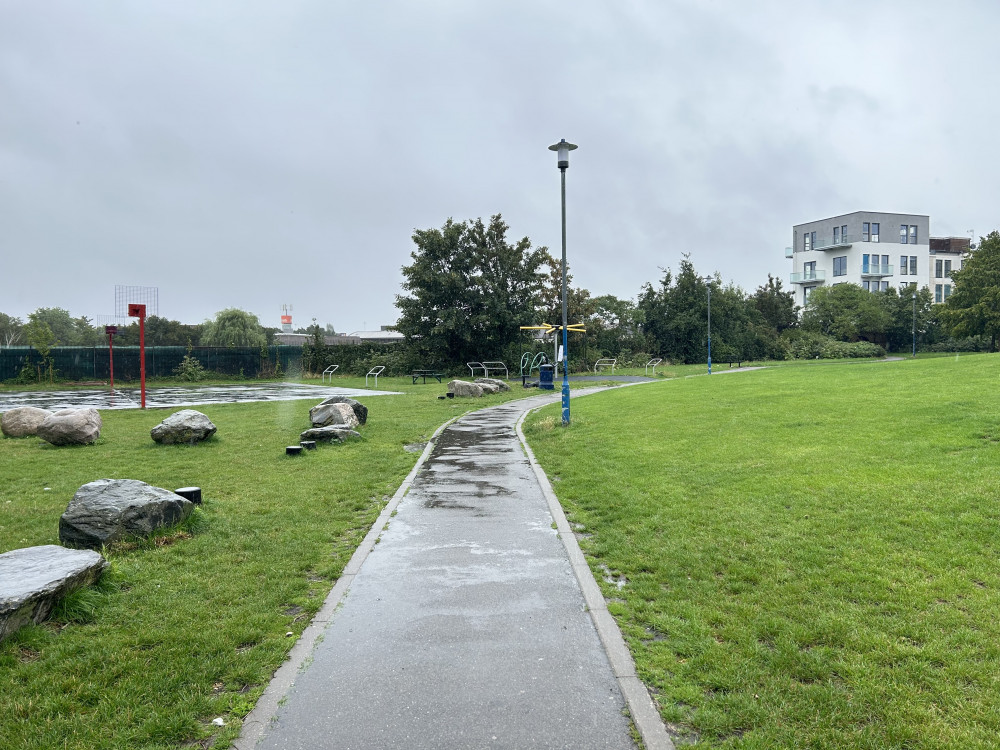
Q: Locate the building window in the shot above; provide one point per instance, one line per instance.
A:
(874, 231)
(938, 270)
(947, 291)
(903, 265)
(809, 270)
(866, 285)
(843, 233)
(885, 286)
(947, 269)
(913, 234)
(937, 293)
(913, 265)
(806, 294)
(865, 231)
(812, 239)
(903, 234)
(836, 235)
(885, 265)
(840, 266)
(806, 244)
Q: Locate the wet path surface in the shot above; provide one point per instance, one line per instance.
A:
(130, 398)
(465, 627)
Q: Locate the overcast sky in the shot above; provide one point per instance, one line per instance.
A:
(252, 154)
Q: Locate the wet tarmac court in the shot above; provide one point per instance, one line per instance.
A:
(130, 398)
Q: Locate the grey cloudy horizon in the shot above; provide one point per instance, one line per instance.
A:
(255, 154)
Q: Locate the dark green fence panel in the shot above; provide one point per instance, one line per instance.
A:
(86, 363)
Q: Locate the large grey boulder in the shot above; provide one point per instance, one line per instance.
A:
(500, 384)
(338, 414)
(464, 388)
(71, 427)
(184, 426)
(490, 388)
(33, 579)
(108, 510)
(360, 410)
(333, 432)
(22, 421)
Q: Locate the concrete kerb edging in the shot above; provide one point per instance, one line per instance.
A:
(645, 715)
(258, 720)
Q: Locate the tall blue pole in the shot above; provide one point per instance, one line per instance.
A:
(710, 329)
(565, 333)
(562, 149)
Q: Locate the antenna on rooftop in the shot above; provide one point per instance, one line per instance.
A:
(286, 318)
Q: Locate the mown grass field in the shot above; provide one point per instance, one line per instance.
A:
(191, 627)
(800, 557)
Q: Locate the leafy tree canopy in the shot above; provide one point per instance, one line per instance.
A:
(468, 291)
(974, 306)
(233, 327)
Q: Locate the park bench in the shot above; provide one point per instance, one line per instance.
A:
(426, 374)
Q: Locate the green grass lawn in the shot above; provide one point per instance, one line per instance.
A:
(800, 557)
(192, 626)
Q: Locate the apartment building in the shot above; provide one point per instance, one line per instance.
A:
(873, 250)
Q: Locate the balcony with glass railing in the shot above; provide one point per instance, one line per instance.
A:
(808, 277)
(876, 269)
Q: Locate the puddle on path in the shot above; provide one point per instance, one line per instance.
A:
(129, 398)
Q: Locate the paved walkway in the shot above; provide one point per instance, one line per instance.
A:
(465, 626)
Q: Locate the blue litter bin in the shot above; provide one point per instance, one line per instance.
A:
(545, 373)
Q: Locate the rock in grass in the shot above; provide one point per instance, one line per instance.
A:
(359, 409)
(109, 510)
(34, 579)
(331, 433)
(184, 426)
(500, 384)
(465, 388)
(71, 427)
(22, 421)
(338, 415)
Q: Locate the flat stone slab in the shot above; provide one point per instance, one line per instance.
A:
(34, 579)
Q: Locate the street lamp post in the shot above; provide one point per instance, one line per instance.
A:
(914, 325)
(562, 150)
(708, 285)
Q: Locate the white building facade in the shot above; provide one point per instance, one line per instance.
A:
(871, 249)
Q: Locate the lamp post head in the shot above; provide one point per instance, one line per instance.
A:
(562, 150)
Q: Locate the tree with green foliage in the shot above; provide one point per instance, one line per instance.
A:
(10, 329)
(233, 327)
(41, 338)
(68, 331)
(468, 291)
(846, 312)
(615, 325)
(973, 309)
(776, 306)
(899, 305)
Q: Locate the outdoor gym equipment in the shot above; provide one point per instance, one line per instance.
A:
(486, 367)
(606, 362)
(533, 364)
(375, 371)
(329, 371)
(652, 363)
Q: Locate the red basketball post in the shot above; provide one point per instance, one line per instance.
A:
(111, 331)
(139, 311)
